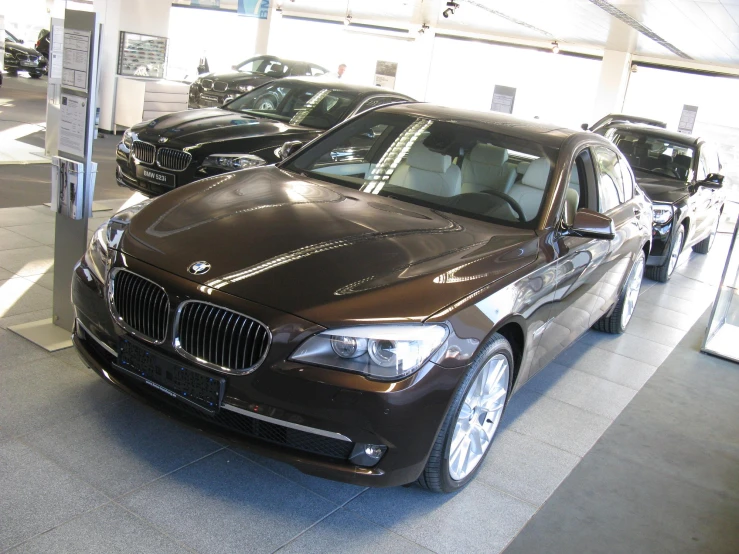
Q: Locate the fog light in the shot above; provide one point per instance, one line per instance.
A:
(367, 455)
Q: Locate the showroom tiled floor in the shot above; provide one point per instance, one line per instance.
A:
(84, 468)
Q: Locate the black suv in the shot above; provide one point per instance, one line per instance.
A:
(680, 175)
(22, 58)
(215, 89)
(173, 150)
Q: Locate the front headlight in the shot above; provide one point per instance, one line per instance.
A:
(9, 55)
(232, 162)
(383, 352)
(128, 137)
(661, 214)
(245, 88)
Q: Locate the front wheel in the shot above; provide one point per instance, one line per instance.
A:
(618, 320)
(473, 418)
(662, 273)
(704, 246)
(35, 75)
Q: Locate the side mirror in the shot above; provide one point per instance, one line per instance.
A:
(592, 225)
(712, 181)
(289, 148)
(584, 126)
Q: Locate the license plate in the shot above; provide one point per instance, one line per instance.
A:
(29, 64)
(197, 388)
(156, 177)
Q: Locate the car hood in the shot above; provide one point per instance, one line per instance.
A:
(21, 48)
(661, 189)
(213, 125)
(326, 253)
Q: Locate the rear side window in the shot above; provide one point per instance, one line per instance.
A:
(611, 189)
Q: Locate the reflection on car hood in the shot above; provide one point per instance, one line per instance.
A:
(211, 125)
(20, 48)
(323, 252)
(661, 188)
(240, 78)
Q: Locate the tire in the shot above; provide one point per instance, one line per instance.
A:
(438, 476)
(662, 273)
(617, 322)
(704, 246)
(35, 75)
(266, 103)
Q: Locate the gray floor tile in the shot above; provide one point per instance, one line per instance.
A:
(107, 529)
(119, 448)
(674, 289)
(18, 351)
(46, 280)
(10, 240)
(688, 283)
(42, 233)
(68, 356)
(671, 318)
(24, 216)
(586, 391)
(5, 274)
(28, 261)
(608, 365)
(226, 503)
(26, 317)
(345, 533)
(656, 332)
(37, 494)
(553, 422)
(525, 467)
(332, 490)
(477, 519)
(636, 348)
(20, 295)
(46, 392)
(662, 297)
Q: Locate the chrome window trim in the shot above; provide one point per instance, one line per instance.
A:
(159, 165)
(220, 369)
(119, 320)
(96, 339)
(289, 425)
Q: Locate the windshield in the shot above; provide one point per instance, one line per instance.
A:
(654, 154)
(298, 103)
(265, 65)
(438, 164)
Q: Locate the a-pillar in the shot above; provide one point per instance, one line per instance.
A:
(615, 70)
(148, 17)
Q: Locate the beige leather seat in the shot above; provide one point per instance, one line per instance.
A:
(530, 191)
(428, 172)
(575, 180)
(486, 167)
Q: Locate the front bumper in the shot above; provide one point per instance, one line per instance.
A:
(404, 416)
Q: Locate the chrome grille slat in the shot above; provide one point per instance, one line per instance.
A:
(139, 305)
(219, 337)
(143, 151)
(220, 86)
(172, 159)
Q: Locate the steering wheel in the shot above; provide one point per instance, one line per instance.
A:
(667, 171)
(511, 202)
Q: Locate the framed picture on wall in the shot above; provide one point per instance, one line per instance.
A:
(142, 55)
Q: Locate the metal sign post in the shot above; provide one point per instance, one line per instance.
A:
(73, 176)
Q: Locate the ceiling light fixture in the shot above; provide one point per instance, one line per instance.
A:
(555, 47)
(278, 9)
(450, 8)
(423, 28)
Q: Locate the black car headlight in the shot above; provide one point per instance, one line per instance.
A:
(128, 137)
(9, 55)
(232, 162)
(245, 88)
(382, 352)
(662, 213)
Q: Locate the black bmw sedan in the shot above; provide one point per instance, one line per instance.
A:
(366, 318)
(23, 58)
(156, 156)
(681, 175)
(215, 89)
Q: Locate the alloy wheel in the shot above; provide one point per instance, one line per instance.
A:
(479, 417)
(632, 293)
(675, 252)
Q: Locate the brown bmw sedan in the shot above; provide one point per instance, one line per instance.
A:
(366, 317)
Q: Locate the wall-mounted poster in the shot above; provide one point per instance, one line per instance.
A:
(142, 55)
(385, 73)
(687, 119)
(503, 98)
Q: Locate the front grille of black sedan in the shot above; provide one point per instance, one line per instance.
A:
(207, 84)
(174, 160)
(220, 338)
(143, 151)
(140, 305)
(220, 86)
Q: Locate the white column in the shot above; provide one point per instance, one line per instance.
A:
(614, 79)
(264, 27)
(148, 17)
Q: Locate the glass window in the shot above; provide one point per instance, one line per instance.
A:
(611, 189)
(380, 101)
(652, 153)
(703, 170)
(628, 179)
(315, 70)
(418, 160)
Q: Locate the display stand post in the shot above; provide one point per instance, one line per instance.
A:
(73, 177)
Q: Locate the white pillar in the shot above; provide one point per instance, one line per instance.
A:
(148, 17)
(264, 27)
(614, 79)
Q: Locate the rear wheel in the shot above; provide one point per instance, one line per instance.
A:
(35, 75)
(704, 246)
(662, 273)
(473, 418)
(618, 320)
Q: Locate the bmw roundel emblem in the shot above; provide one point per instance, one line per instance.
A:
(162, 140)
(199, 268)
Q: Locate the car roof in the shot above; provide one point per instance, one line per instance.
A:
(547, 134)
(626, 118)
(281, 59)
(657, 132)
(338, 84)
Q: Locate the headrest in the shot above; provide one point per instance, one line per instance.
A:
(574, 176)
(537, 174)
(488, 154)
(683, 161)
(421, 157)
(522, 167)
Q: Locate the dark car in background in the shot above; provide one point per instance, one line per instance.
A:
(614, 118)
(22, 58)
(367, 318)
(170, 151)
(681, 175)
(43, 43)
(215, 89)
